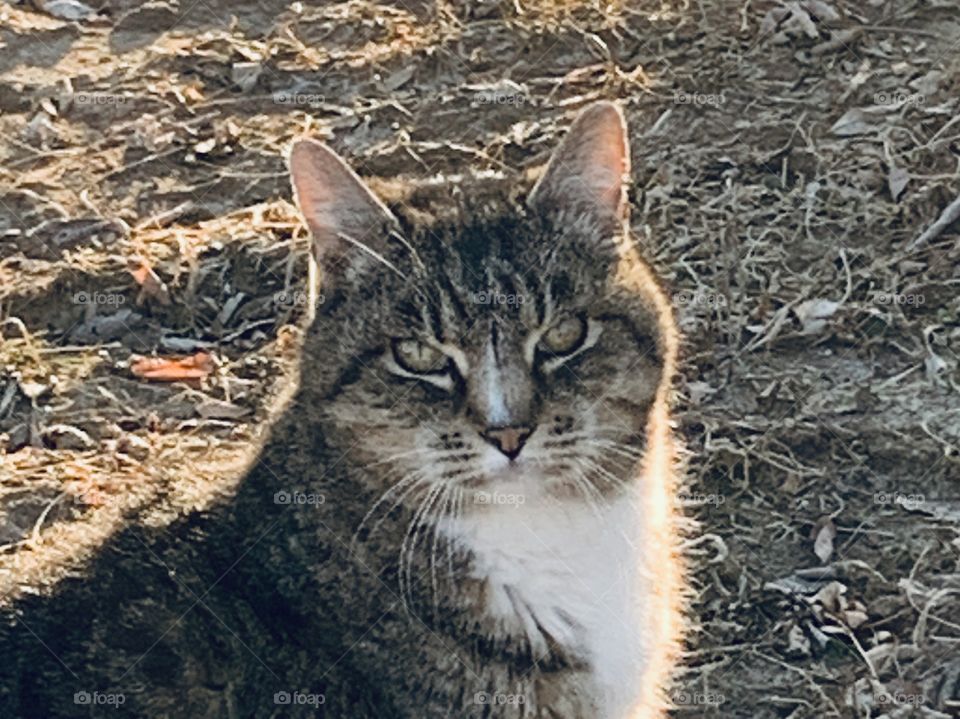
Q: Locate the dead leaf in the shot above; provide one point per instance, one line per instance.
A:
(935, 365)
(802, 19)
(68, 9)
(699, 391)
(822, 639)
(151, 286)
(193, 94)
(205, 147)
(32, 390)
(928, 85)
(797, 642)
(246, 74)
(399, 78)
(854, 121)
(855, 618)
(218, 409)
(65, 436)
(40, 132)
(831, 596)
(161, 369)
(772, 20)
(49, 107)
(897, 180)
(821, 10)
(823, 544)
(813, 314)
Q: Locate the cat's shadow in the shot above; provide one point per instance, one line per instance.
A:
(209, 599)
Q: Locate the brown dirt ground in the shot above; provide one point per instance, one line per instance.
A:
(785, 158)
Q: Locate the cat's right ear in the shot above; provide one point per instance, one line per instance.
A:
(349, 224)
(589, 168)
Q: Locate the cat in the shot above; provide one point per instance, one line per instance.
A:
(465, 507)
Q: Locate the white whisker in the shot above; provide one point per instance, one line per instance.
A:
(415, 477)
(440, 513)
(405, 575)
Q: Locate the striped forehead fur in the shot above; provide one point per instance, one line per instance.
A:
(478, 238)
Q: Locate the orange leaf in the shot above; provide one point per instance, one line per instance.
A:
(150, 284)
(162, 369)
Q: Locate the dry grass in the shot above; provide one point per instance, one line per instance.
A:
(783, 166)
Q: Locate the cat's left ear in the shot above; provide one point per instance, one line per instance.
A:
(590, 167)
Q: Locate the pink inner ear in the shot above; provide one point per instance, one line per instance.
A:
(591, 163)
(334, 201)
(313, 168)
(607, 168)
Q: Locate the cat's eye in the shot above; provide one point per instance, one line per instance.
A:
(565, 336)
(418, 357)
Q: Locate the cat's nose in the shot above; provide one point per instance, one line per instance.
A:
(509, 440)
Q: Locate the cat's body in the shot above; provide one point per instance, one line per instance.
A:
(465, 509)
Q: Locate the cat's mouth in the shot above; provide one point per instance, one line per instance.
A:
(516, 481)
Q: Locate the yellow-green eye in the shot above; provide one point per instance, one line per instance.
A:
(418, 357)
(565, 336)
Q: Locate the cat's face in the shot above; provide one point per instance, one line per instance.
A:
(498, 352)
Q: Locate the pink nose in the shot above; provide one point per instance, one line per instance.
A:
(509, 440)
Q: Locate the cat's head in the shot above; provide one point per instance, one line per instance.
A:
(492, 346)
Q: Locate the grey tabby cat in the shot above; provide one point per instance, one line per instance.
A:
(465, 510)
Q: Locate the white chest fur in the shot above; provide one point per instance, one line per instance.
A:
(571, 572)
